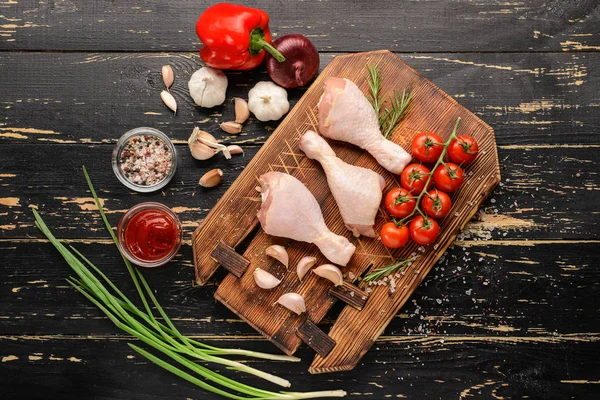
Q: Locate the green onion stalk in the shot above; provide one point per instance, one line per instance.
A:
(163, 336)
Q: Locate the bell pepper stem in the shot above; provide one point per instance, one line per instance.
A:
(258, 43)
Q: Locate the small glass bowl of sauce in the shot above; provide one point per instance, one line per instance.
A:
(149, 234)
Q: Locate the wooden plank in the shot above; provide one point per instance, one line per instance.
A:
(549, 367)
(229, 259)
(315, 338)
(532, 203)
(350, 294)
(431, 109)
(503, 288)
(338, 25)
(537, 99)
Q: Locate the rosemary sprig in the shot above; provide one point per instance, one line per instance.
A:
(393, 115)
(385, 270)
(399, 103)
(374, 80)
(164, 337)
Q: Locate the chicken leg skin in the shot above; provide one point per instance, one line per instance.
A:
(290, 210)
(357, 190)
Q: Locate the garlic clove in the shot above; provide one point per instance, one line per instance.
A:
(202, 140)
(304, 265)
(293, 302)
(265, 280)
(199, 150)
(231, 127)
(242, 112)
(330, 272)
(167, 75)
(217, 146)
(169, 100)
(235, 149)
(279, 253)
(211, 178)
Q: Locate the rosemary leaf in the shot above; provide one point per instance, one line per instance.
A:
(374, 80)
(385, 270)
(398, 108)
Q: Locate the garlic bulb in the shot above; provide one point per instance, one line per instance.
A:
(304, 265)
(330, 272)
(265, 280)
(293, 302)
(208, 86)
(203, 145)
(279, 253)
(267, 101)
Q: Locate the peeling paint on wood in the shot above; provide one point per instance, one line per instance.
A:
(10, 201)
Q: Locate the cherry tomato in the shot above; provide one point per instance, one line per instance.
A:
(436, 204)
(427, 147)
(393, 236)
(448, 177)
(424, 230)
(414, 177)
(463, 149)
(399, 203)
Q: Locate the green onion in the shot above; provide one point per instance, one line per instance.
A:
(163, 336)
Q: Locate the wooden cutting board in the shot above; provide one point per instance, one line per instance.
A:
(234, 217)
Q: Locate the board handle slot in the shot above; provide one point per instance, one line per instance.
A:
(315, 338)
(229, 259)
(350, 294)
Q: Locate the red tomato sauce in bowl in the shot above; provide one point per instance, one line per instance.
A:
(149, 234)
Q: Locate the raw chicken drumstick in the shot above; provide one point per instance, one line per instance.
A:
(290, 210)
(345, 114)
(357, 190)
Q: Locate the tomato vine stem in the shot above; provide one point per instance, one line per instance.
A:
(437, 164)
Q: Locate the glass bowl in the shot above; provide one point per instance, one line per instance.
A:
(123, 142)
(122, 227)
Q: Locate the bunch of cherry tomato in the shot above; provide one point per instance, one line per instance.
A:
(435, 203)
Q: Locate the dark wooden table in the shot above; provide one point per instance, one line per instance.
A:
(512, 310)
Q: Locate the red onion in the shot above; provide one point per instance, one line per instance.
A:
(301, 61)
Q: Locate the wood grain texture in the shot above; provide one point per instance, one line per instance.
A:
(533, 202)
(513, 316)
(338, 25)
(498, 288)
(431, 110)
(315, 338)
(229, 259)
(534, 99)
(350, 294)
(404, 367)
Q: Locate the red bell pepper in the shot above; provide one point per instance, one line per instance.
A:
(235, 36)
